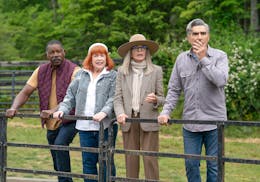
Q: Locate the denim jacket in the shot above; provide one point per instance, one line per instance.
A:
(77, 93)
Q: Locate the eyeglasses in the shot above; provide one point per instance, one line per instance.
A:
(142, 47)
(197, 33)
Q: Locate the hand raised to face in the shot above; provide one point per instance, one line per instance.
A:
(199, 38)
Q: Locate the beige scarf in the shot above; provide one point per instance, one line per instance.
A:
(138, 70)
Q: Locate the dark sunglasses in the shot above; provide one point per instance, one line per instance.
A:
(142, 47)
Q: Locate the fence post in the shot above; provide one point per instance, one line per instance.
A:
(109, 153)
(101, 153)
(3, 149)
(221, 153)
(13, 86)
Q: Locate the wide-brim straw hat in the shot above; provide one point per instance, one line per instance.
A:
(137, 39)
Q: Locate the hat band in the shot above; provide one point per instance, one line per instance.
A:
(97, 44)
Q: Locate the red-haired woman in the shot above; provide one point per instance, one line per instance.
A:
(91, 93)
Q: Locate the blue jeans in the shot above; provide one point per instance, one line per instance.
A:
(193, 142)
(89, 159)
(62, 136)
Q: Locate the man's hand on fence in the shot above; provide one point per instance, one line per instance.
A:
(163, 119)
(10, 113)
(45, 114)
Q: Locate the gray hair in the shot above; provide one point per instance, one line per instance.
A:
(127, 59)
(196, 22)
(52, 42)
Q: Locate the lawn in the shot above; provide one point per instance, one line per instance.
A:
(171, 169)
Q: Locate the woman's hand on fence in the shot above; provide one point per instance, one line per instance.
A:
(10, 113)
(58, 114)
(121, 118)
(163, 119)
(99, 116)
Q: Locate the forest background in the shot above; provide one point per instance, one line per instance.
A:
(27, 25)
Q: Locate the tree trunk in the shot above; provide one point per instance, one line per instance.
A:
(254, 19)
(54, 5)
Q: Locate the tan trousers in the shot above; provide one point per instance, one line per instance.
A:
(137, 139)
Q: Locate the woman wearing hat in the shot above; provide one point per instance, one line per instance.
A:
(91, 93)
(139, 92)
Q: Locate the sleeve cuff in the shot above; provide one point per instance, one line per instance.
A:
(205, 61)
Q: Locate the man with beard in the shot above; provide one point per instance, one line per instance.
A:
(52, 80)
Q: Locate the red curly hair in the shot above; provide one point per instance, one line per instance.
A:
(87, 63)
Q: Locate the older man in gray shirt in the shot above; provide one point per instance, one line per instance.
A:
(201, 73)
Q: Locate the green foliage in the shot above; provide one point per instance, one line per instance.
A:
(7, 41)
(242, 91)
(243, 88)
(14, 5)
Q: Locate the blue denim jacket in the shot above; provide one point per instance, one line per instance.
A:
(77, 93)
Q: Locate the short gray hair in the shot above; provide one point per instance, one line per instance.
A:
(196, 22)
(52, 42)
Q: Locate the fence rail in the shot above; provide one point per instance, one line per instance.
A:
(13, 64)
(106, 150)
(11, 82)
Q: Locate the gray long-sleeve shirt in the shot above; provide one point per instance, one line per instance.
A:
(203, 85)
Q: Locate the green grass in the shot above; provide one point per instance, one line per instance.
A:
(171, 169)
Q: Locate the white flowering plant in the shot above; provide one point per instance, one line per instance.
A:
(242, 91)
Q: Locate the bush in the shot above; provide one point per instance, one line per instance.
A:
(242, 91)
